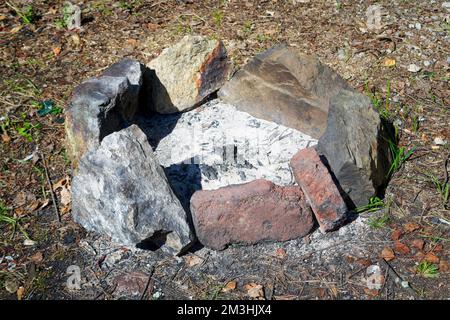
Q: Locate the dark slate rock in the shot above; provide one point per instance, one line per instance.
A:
(287, 87)
(355, 146)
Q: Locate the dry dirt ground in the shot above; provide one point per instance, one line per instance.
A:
(42, 62)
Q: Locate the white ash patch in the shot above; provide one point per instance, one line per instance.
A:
(225, 146)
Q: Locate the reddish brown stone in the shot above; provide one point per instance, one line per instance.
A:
(250, 213)
(319, 188)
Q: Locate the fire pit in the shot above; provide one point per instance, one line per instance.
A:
(158, 163)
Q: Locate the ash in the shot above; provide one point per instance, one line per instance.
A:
(216, 145)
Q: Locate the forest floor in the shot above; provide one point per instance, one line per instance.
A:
(404, 66)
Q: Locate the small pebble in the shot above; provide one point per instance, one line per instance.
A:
(439, 141)
(413, 68)
(29, 243)
(418, 26)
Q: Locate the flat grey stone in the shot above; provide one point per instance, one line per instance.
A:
(287, 87)
(355, 146)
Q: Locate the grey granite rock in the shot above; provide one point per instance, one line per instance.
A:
(186, 73)
(100, 106)
(355, 146)
(287, 87)
(120, 190)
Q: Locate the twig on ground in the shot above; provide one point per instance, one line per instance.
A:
(404, 284)
(50, 185)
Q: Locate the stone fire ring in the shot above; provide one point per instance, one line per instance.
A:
(137, 137)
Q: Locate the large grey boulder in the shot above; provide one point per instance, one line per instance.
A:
(121, 191)
(185, 74)
(287, 87)
(355, 146)
(100, 106)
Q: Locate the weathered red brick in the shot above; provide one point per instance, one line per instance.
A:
(319, 188)
(250, 213)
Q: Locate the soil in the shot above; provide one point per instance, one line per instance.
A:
(41, 62)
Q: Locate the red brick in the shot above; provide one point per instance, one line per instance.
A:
(319, 188)
(250, 213)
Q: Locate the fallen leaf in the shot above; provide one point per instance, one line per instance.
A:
(411, 226)
(396, 234)
(37, 257)
(254, 290)
(371, 292)
(2, 17)
(418, 244)
(132, 42)
(320, 292)
(419, 256)
(6, 138)
(66, 197)
(387, 254)
(364, 262)
(56, 51)
(76, 39)
(401, 248)
(20, 292)
(60, 183)
(16, 29)
(11, 285)
(281, 253)
(152, 26)
(33, 205)
(438, 248)
(389, 62)
(444, 266)
(230, 286)
(431, 258)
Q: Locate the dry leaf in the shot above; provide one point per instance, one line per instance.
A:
(6, 138)
(388, 254)
(431, 258)
(254, 290)
(66, 197)
(419, 256)
(401, 248)
(364, 262)
(371, 292)
(418, 244)
(60, 183)
(411, 226)
(152, 26)
(320, 292)
(132, 42)
(16, 29)
(444, 266)
(230, 286)
(56, 51)
(76, 39)
(396, 234)
(20, 292)
(389, 62)
(2, 17)
(37, 257)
